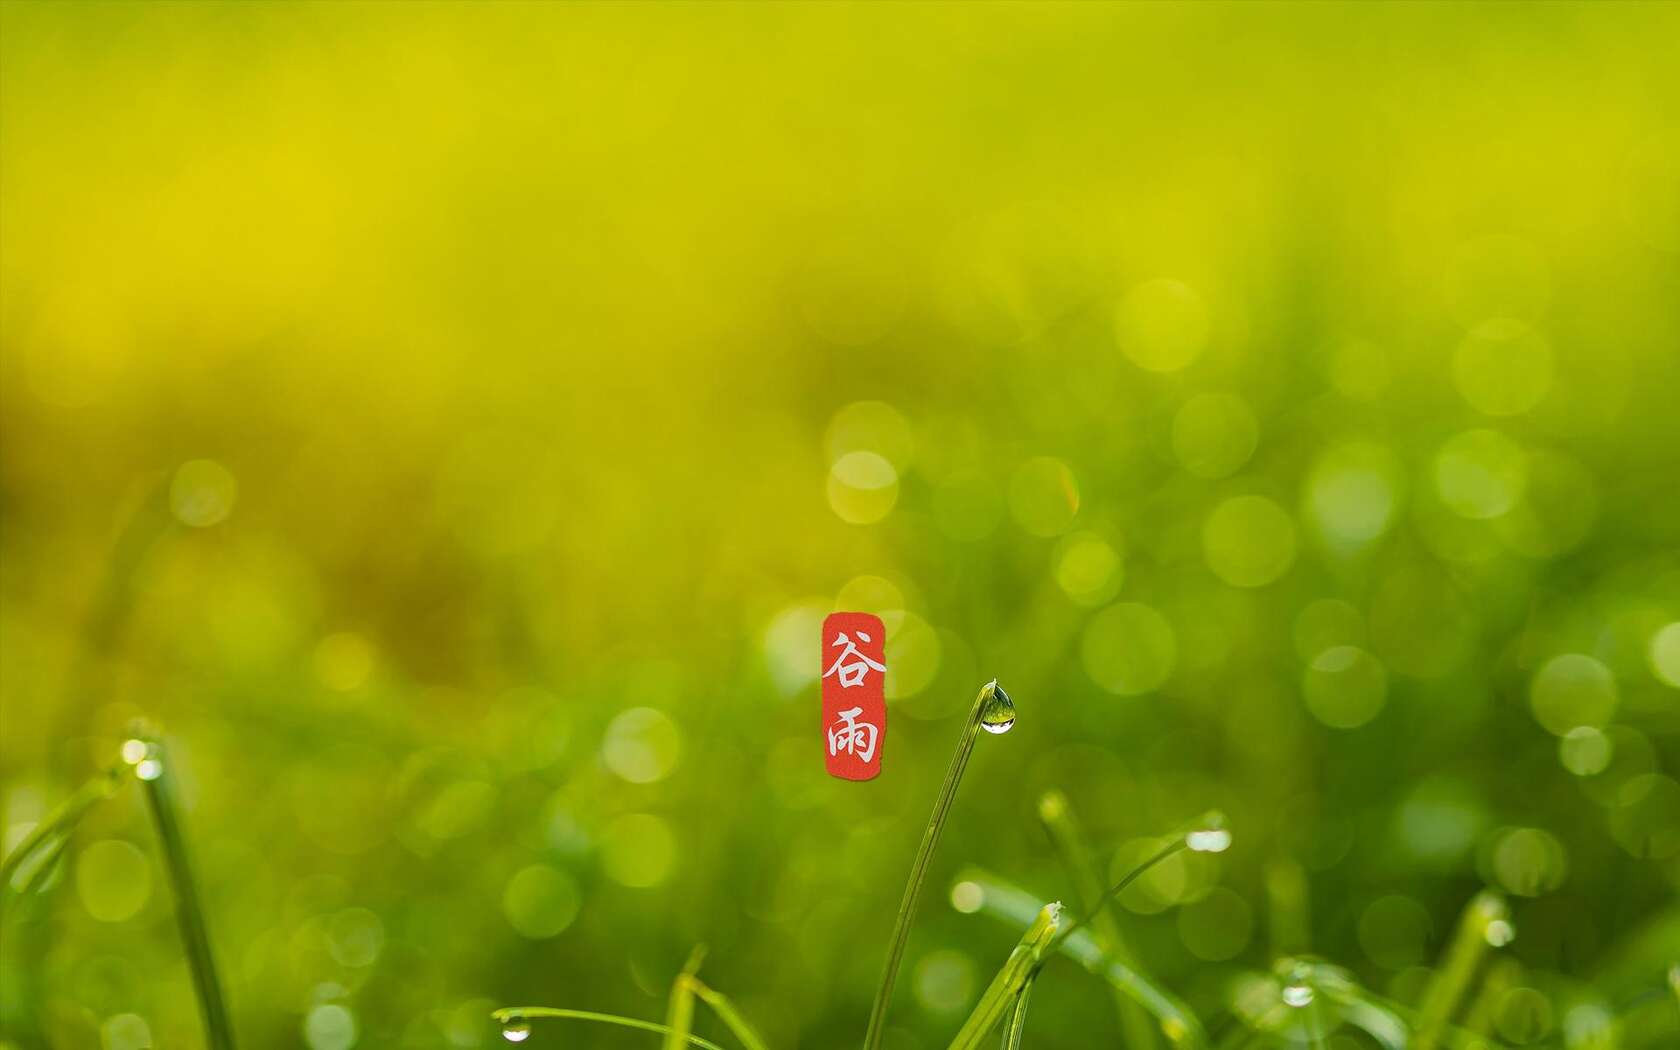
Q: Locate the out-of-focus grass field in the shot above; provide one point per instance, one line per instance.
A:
(451, 423)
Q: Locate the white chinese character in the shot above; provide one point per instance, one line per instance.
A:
(851, 673)
(849, 734)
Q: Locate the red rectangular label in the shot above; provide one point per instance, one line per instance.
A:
(854, 671)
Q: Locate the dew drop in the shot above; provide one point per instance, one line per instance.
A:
(134, 750)
(1499, 933)
(1209, 840)
(148, 769)
(516, 1031)
(1298, 994)
(997, 714)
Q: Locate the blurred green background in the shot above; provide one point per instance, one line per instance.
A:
(451, 423)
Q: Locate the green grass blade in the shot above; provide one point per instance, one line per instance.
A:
(1013, 905)
(1016, 1025)
(730, 1016)
(924, 857)
(152, 767)
(1453, 978)
(511, 1015)
(1359, 1008)
(1005, 990)
(47, 839)
(1074, 849)
(679, 1015)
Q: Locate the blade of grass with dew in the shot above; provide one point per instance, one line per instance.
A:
(1068, 837)
(48, 838)
(679, 1015)
(151, 765)
(1453, 1036)
(1015, 906)
(1206, 834)
(731, 1017)
(1358, 1007)
(1476, 930)
(1015, 1025)
(994, 711)
(1005, 990)
(516, 1017)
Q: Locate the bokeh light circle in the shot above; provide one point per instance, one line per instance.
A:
(870, 426)
(1216, 927)
(1044, 496)
(1480, 474)
(113, 879)
(1665, 654)
(638, 850)
(1394, 932)
(1572, 690)
(914, 653)
(202, 493)
(1503, 367)
(641, 745)
(1213, 435)
(1529, 861)
(1248, 541)
(1585, 751)
(1646, 818)
(1128, 649)
(862, 487)
(1162, 325)
(540, 901)
(1088, 568)
(944, 981)
(1353, 493)
(1345, 687)
(329, 1026)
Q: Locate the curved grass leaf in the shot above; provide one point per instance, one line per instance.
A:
(1004, 993)
(1002, 900)
(514, 1014)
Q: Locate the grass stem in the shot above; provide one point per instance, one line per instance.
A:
(50, 835)
(1068, 837)
(679, 1015)
(1005, 990)
(154, 773)
(1016, 1025)
(1452, 979)
(924, 857)
(729, 1015)
(511, 1015)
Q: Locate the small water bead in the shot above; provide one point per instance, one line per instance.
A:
(148, 769)
(134, 750)
(516, 1031)
(1298, 994)
(1209, 840)
(1499, 933)
(997, 714)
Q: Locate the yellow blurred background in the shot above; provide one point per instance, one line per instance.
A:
(452, 421)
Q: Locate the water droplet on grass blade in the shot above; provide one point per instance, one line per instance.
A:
(516, 1031)
(1209, 840)
(1499, 933)
(1209, 834)
(997, 714)
(1298, 995)
(149, 769)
